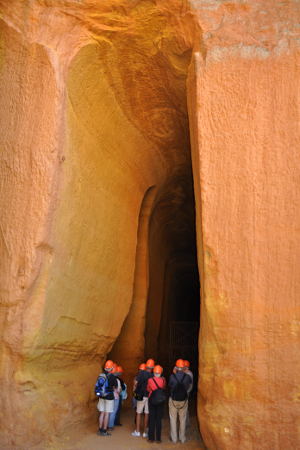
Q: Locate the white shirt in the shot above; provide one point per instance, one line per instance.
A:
(117, 390)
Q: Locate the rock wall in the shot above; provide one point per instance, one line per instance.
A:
(94, 117)
(244, 114)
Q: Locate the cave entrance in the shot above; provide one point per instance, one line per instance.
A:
(165, 307)
(173, 304)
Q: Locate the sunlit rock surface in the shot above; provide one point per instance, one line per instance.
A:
(94, 137)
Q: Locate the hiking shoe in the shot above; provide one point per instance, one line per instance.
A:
(105, 433)
(145, 435)
(136, 433)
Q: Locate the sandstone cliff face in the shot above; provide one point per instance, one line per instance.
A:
(94, 130)
(246, 197)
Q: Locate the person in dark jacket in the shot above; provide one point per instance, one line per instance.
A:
(142, 398)
(179, 385)
(142, 367)
(155, 411)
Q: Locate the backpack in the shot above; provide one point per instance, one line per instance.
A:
(158, 396)
(101, 386)
(179, 392)
(141, 388)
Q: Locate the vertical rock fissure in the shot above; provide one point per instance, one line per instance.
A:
(173, 307)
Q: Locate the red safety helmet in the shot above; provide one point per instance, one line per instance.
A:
(109, 365)
(120, 369)
(186, 363)
(142, 366)
(150, 364)
(180, 363)
(158, 369)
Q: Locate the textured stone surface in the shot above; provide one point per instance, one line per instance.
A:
(244, 110)
(94, 115)
(93, 130)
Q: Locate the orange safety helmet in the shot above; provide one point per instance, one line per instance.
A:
(142, 366)
(186, 363)
(150, 364)
(109, 365)
(158, 369)
(180, 363)
(120, 369)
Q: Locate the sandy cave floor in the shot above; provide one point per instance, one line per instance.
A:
(84, 437)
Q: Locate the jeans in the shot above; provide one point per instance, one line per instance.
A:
(112, 415)
(117, 418)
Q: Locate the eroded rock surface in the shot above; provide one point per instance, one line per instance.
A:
(94, 127)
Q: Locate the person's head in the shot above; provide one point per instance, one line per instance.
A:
(186, 365)
(179, 366)
(157, 371)
(108, 366)
(142, 366)
(119, 371)
(150, 365)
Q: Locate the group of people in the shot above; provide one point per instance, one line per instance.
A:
(150, 393)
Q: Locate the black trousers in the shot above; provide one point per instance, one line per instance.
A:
(155, 417)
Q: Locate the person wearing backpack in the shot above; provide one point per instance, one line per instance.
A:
(104, 390)
(179, 385)
(157, 396)
(141, 394)
(134, 393)
(141, 368)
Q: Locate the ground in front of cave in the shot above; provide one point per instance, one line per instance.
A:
(83, 436)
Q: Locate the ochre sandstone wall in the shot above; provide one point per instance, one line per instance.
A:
(94, 116)
(93, 127)
(244, 115)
